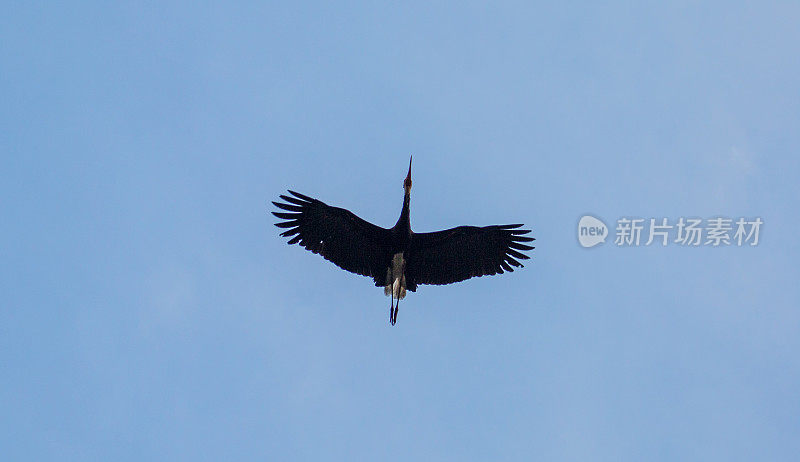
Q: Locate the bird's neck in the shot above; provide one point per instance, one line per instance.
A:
(404, 222)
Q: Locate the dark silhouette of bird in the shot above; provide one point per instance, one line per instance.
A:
(397, 258)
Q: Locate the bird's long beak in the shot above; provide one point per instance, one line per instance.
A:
(407, 183)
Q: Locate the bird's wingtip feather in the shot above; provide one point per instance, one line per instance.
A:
(301, 196)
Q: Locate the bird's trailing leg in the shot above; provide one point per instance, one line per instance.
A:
(395, 286)
(391, 310)
(391, 301)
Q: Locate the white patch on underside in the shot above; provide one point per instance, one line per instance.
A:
(396, 277)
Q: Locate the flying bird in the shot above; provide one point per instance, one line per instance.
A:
(397, 258)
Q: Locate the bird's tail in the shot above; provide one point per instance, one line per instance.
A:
(396, 288)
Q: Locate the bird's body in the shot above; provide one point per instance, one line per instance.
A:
(398, 259)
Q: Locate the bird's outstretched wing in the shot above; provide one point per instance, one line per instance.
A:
(337, 234)
(460, 253)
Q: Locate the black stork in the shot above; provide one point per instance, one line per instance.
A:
(399, 259)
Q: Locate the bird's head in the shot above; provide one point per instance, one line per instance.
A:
(407, 182)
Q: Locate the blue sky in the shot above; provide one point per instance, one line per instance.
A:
(151, 312)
